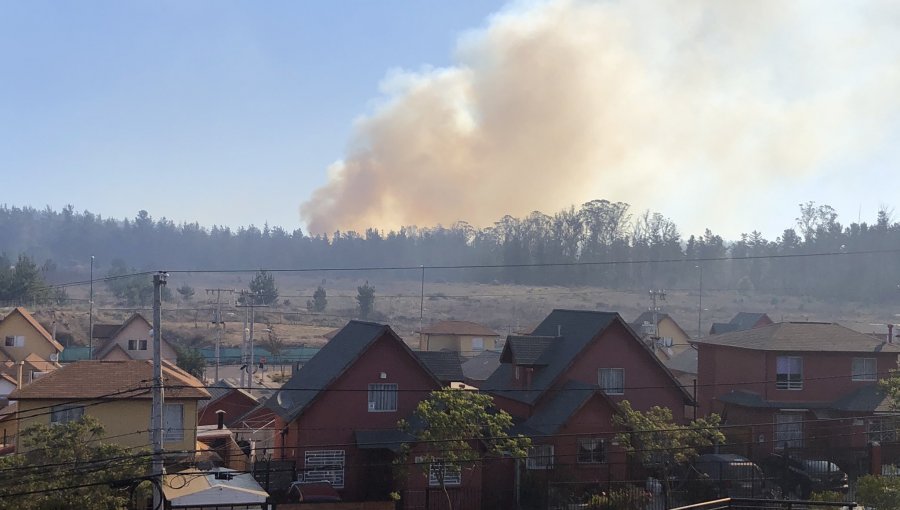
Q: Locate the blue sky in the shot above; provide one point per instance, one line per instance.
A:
(220, 112)
(228, 112)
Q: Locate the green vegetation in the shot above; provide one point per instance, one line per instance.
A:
(319, 301)
(186, 291)
(21, 281)
(881, 492)
(365, 298)
(69, 466)
(190, 360)
(134, 290)
(263, 288)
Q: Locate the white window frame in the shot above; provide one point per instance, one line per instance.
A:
(860, 372)
(65, 413)
(173, 427)
(324, 466)
(788, 430)
(883, 429)
(791, 380)
(17, 341)
(452, 474)
(596, 452)
(477, 343)
(142, 345)
(603, 380)
(383, 397)
(132, 344)
(540, 456)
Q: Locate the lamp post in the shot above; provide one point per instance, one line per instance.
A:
(700, 302)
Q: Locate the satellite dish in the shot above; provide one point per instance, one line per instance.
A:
(284, 400)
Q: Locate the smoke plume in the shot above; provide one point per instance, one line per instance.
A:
(694, 108)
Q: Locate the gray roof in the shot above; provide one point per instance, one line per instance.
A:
(870, 398)
(330, 362)
(219, 389)
(747, 398)
(560, 406)
(746, 320)
(801, 336)
(527, 350)
(685, 361)
(722, 327)
(445, 365)
(482, 366)
(388, 439)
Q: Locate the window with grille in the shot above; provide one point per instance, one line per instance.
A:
(863, 369)
(382, 397)
(324, 466)
(883, 429)
(540, 457)
(15, 341)
(591, 450)
(451, 474)
(788, 430)
(612, 380)
(65, 413)
(789, 373)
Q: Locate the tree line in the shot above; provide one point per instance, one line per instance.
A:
(627, 251)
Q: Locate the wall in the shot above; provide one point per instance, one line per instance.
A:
(458, 343)
(721, 369)
(235, 404)
(137, 329)
(15, 324)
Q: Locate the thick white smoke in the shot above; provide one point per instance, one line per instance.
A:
(689, 107)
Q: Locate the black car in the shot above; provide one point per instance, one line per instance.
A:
(720, 475)
(801, 477)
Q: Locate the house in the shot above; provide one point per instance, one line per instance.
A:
(478, 369)
(665, 337)
(463, 337)
(796, 385)
(118, 394)
(563, 384)
(337, 415)
(742, 321)
(28, 350)
(214, 488)
(127, 341)
(225, 395)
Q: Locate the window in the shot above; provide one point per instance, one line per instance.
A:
(132, 345)
(142, 345)
(382, 397)
(477, 343)
(612, 380)
(65, 413)
(15, 341)
(788, 430)
(666, 341)
(173, 422)
(789, 373)
(324, 466)
(863, 369)
(591, 450)
(540, 457)
(451, 473)
(499, 343)
(883, 429)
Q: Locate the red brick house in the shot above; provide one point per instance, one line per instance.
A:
(337, 415)
(796, 385)
(563, 382)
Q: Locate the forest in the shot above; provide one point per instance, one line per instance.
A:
(600, 243)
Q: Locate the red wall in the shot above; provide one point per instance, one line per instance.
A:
(235, 404)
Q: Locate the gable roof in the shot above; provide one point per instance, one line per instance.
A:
(561, 405)
(221, 389)
(647, 316)
(458, 328)
(746, 320)
(722, 327)
(801, 336)
(36, 325)
(105, 331)
(525, 350)
(110, 343)
(328, 364)
(445, 365)
(577, 329)
(482, 366)
(95, 379)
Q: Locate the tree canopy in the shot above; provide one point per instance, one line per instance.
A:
(263, 288)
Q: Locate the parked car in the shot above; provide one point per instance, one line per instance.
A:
(722, 475)
(312, 492)
(801, 477)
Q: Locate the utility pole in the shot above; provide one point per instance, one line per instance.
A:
(656, 295)
(91, 315)
(250, 363)
(700, 302)
(217, 320)
(157, 431)
(422, 309)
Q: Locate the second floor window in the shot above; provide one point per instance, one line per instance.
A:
(173, 422)
(382, 397)
(789, 373)
(611, 380)
(66, 413)
(863, 369)
(142, 345)
(132, 345)
(15, 341)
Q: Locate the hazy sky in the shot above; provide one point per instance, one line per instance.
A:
(233, 112)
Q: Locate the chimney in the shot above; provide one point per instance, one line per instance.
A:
(220, 416)
(890, 333)
(20, 367)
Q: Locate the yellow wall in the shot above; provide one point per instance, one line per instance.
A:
(458, 343)
(126, 422)
(16, 325)
(138, 330)
(668, 328)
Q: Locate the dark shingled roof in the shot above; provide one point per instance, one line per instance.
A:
(722, 327)
(482, 366)
(526, 350)
(869, 398)
(330, 362)
(578, 328)
(104, 331)
(746, 320)
(685, 361)
(747, 398)
(560, 406)
(445, 365)
(219, 389)
(801, 336)
(390, 439)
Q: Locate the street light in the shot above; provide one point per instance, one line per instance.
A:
(700, 302)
